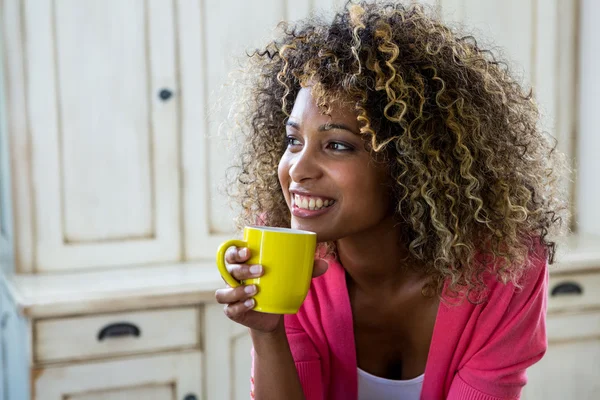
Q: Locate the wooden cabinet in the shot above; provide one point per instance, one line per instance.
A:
(111, 120)
(116, 113)
(571, 366)
(170, 376)
(14, 346)
(94, 96)
(229, 356)
(115, 334)
(118, 155)
(5, 206)
(539, 42)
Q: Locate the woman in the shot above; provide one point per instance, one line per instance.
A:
(418, 161)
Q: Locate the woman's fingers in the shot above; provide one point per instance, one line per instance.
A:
(236, 310)
(245, 271)
(234, 295)
(237, 255)
(237, 300)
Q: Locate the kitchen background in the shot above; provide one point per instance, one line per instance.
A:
(111, 158)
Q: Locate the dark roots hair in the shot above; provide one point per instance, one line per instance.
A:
(476, 180)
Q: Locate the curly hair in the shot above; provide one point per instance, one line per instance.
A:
(475, 178)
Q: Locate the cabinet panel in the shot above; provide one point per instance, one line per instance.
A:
(241, 344)
(207, 150)
(569, 370)
(103, 115)
(18, 132)
(224, 46)
(164, 392)
(539, 39)
(228, 357)
(575, 291)
(5, 200)
(500, 23)
(161, 377)
(109, 335)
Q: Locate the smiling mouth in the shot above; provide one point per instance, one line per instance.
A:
(312, 203)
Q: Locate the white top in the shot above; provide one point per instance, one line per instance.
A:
(371, 387)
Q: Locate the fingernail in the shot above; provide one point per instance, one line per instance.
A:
(244, 252)
(250, 289)
(256, 269)
(249, 303)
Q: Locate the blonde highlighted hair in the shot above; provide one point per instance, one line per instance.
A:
(476, 180)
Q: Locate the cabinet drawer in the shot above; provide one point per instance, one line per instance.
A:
(574, 292)
(108, 335)
(573, 327)
(162, 376)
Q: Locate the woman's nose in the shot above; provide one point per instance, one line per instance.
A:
(305, 165)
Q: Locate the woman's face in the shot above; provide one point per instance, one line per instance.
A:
(330, 182)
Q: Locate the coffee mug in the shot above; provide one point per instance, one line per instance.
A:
(287, 257)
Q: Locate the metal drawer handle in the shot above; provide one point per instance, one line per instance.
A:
(567, 288)
(165, 94)
(118, 329)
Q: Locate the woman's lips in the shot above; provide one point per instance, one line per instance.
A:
(304, 213)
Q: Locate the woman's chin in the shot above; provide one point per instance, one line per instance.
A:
(322, 236)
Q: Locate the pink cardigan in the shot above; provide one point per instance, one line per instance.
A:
(477, 352)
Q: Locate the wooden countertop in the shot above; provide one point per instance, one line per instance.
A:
(71, 293)
(61, 294)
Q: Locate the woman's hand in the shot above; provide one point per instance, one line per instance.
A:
(239, 300)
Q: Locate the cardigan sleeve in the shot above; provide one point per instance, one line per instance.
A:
(515, 339)
(306, 358)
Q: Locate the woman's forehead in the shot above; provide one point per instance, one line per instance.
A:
(307, 105)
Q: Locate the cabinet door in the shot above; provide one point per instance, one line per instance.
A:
(102, 96)
(5, 209)
(228, 358)
(539, 41)
(171, 376)
(210, 49)
(163, 392)
(571, 366)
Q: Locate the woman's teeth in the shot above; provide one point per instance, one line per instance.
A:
(311, 203)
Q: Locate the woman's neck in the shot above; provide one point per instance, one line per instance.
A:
(377, 260)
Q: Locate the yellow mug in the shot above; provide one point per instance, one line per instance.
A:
(287, 256)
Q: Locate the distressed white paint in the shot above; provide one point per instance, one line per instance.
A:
(76, 338)
(229, 356)
(18, 134)
(181, 372)
(588, 143)
(104, 147)
(6, 220)
(570, 368)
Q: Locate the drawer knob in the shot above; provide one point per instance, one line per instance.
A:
(117, 330)
(567, 288)
(165, 94)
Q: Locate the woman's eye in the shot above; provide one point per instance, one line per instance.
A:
(292, 141)
(339, 146)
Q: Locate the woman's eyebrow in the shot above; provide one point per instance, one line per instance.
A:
(323, 128)
(292, 124)
(329, 126)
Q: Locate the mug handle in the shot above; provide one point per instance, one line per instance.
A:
(221, 260)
